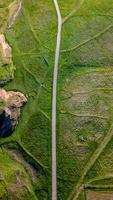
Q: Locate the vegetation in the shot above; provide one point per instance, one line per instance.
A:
(84, 100)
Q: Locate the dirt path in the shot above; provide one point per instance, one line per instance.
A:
(54, 96)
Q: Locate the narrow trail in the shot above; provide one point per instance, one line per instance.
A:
(96, 36)
(79, 187)
(65, 19)
(54, 96)
(15, 15)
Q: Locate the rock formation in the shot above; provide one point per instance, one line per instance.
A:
(6, 64)
(10, 107)
(5, 51)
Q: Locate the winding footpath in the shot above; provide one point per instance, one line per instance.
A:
(54, 96)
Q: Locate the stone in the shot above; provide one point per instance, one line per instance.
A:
(5, 51)
(6, 63)
(10, 113)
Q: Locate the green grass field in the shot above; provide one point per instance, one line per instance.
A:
(84, 100)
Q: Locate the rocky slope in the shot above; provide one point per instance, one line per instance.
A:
(12, 102)
(8, 17)
(6, 63)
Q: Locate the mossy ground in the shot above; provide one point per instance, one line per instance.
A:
(85, 67)
(33, 77)
(14, 181)
(84, 94)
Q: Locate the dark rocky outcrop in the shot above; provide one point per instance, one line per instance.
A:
(12, 102)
